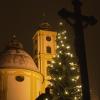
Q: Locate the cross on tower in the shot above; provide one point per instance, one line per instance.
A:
(79, 22)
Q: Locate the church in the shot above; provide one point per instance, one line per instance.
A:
(23, 77)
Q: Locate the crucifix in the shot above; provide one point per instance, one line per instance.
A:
(79, 22)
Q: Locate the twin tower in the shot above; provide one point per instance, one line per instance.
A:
(21, 76)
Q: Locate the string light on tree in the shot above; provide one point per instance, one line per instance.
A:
(66, 92)
(65, 72)
(46, 99)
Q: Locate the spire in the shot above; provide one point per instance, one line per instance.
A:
(13, 43)
(44, 25)
(44, 19)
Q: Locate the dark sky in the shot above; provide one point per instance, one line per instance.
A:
(22, 16)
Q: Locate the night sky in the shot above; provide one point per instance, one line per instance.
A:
(21, 17)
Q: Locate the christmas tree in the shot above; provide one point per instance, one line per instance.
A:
(64, 70)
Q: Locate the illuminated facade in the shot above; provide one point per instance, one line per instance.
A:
(21, 78)
(44, 49)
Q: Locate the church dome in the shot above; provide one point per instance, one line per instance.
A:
(14, 57)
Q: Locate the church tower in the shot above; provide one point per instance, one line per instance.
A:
(44, 44)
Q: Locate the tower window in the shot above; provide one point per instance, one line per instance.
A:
(19, 78)
(48, 38)
(48, 62)
(48, 49)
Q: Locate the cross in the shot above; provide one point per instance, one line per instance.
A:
(79, 22)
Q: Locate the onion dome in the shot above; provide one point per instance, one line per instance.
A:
(14, 57)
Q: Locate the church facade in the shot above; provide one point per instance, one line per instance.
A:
(21, 76)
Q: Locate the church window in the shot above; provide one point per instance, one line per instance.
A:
(48, 62)
(48, 38)
(48, 49)
(19, 78)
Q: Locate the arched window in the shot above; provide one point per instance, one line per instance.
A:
(48, 49)
(19, 78)
(48, 38)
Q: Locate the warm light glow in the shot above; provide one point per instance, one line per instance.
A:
(71, 55)
(73, 79)
(72, 64)
(57, 46)
(51, 84)
(59, 63)
(61, 41)
(68, 53)
(77, 77)
(79, 86)
(68, 47)
(66, 92)
(64, 31)
(75, 98)
(62, 45)
(65, 37)
(61, 23)
(60, 78)
(53, 61)
(58, 56)
(73, 68)
(60, 51)
(46, 99)
(51, 65)
(78, 90)
(58, 33)
(59, 37)
(54, 78)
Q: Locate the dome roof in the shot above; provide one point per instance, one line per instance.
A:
(45, 26)
(14, 57)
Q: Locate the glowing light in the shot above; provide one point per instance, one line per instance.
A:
(61, 23)
(59, 37)
(68, 53)
(51, 65)
(54, 78)
(57, 46)
(57, 93)
(58, 33)
(79, 86)
(66, 92)
(61, 41)
(78, 90)
(62, 45)
(60, 51)
(64, 31)
(77, 77)
(58, 56)
(65, 37)
(60, 78)
(75, 98)
(68, 47)
(71, 55)
(73, 68)
(51, 84)
(53, 62)
(73, 79)
(46, 99)
(59, 63)
(72, 64)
